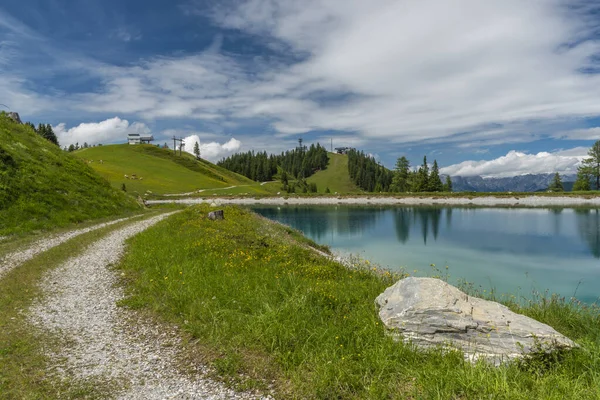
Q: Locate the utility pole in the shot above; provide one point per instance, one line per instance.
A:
(332, 145)
(180, 140)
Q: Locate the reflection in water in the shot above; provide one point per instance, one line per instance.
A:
(318, 222)
(510, 250)
(589, 228)
(424, 217)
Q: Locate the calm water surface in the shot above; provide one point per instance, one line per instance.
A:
(513, 251)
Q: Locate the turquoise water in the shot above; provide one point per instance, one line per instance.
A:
(513, 251)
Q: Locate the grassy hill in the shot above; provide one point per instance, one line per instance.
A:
(161, 172)
(335, 177)
(42, 187)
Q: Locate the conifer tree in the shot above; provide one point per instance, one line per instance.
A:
(401, 174)
(556, 185)
(583, 180)
(197, 150)
(435, 182)
(448, 184)
(591, 165)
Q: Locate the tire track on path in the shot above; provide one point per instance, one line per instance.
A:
(112, 345)
(14, 259)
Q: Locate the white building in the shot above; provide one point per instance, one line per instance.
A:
(136, 138)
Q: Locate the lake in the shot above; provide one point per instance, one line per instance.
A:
(513, 251)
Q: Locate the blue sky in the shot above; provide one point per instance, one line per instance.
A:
(485, 87)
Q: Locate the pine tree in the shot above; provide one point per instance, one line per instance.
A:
(71, 148)
(50, 135)
(556, 185)
(591, 165)
(583, 180)
(197, 150)
(435, 182)
(448, 184)
(401, 173)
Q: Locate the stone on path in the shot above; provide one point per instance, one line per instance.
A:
(429, 312)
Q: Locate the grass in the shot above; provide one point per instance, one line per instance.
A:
(335, 176)
(264, 309)
(161, 170)
(42, 187)
(23, 365)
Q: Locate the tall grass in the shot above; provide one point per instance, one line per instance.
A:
(43, 187)
(266, 311)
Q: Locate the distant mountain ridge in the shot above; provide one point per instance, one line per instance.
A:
(521, 183)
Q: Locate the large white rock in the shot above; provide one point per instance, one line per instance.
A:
(429, 312)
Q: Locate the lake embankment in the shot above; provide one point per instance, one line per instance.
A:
(483, 201)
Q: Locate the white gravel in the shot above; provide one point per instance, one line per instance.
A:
(13, 260)
(109, 344)
(488, 201)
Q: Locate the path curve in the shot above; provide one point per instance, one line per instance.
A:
(14, 259)
(108, 343)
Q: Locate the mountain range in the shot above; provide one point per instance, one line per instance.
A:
(521, 183)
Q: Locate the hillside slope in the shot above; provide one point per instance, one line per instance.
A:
(41, 186)
(335, 177)
(160, 170)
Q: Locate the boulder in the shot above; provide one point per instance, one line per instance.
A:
(429, 312)
(214, 215)
(14, 116)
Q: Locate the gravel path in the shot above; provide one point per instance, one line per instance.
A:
(488, 201)
(109, 344)
(13, 260)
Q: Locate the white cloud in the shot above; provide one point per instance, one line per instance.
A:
(399, 70)
(579, 134)
(108, 131)
(212, 151)
(518, 163)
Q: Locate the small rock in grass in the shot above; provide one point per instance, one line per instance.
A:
(215, 215)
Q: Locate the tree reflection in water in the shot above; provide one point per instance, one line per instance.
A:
(588, 222)
(424, 217)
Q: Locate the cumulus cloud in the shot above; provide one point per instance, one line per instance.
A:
(400, 70)
(212, 151)
(518, 163)
(108, 131)
(405, 71)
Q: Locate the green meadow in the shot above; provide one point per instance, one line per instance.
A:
(266, 311)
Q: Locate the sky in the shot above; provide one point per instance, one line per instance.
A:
(493, 88)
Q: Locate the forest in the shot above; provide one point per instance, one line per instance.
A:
(300, 163)
(370, 176)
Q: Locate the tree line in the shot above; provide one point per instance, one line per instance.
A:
(367, 174)
(370, 176)
(45, 131)
(299, 163)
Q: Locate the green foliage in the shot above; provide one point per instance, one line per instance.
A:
(262, 307)
(400, 181)
(367, 174)
(45, 131)
(435, 182)
(43, 187)
(300, 163)
(448, 184)
(556, 185)
(590, 168)
(197, 150)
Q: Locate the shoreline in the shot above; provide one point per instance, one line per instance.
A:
(484, 201)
